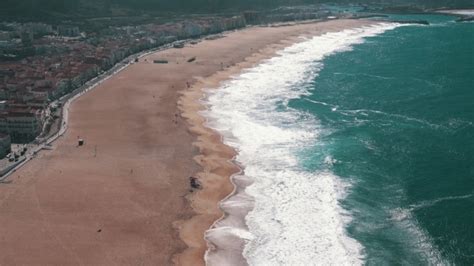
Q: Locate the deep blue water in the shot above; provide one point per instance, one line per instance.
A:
(397, 114)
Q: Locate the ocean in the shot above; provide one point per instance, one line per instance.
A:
(357, 147)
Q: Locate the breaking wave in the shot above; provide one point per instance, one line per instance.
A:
(280, 213)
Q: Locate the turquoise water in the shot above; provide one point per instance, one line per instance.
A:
(396, 116)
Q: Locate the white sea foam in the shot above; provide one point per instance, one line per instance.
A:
(420, 239)
(466, 12)
(292, 216)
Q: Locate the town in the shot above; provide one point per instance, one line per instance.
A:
(40, 62)
(44, 64)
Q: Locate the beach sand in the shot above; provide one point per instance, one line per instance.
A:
(125, 196)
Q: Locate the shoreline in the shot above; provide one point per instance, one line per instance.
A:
(126, 192)
(214, 154)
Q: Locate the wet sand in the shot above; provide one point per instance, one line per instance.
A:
(124, 197)
(215, 158)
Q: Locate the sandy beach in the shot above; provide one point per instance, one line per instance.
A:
(125, 196)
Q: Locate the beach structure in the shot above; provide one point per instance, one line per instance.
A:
(178, 45)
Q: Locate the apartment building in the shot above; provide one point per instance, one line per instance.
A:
(5, 145)
(23, 125)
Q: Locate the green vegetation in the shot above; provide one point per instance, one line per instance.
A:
(91, 8)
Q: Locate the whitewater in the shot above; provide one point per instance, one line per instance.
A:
(280, 213)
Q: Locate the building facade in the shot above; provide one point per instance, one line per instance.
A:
(5, 145)
(22, 126)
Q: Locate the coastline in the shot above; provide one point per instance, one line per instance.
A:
(126, 192)
(218, 165)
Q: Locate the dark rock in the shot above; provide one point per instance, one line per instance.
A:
(421, 22)
(194, 182)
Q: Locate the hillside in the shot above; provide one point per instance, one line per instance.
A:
(91, 8)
